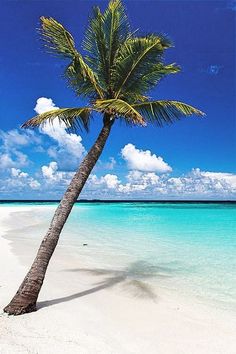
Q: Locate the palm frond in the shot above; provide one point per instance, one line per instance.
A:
(117, 107)
(95, 45)
(136, 58)
(60, 42)
(83, 79)
(144, 82)
(57, 39)
(117, 30)
(103, 37)
(165, 111)
(73, 118)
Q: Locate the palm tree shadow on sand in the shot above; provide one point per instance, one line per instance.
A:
(131, 279)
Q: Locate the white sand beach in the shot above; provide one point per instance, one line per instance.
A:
(81, 312)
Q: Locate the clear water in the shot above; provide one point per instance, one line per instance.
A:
(187, 248)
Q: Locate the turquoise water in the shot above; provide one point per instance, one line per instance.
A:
(186, 248)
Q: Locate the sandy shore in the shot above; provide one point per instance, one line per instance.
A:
(90, 312)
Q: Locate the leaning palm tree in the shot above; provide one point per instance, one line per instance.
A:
(115, 75)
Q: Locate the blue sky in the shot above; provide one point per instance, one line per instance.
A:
(194, 158)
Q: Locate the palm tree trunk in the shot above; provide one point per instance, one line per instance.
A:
(26, 297)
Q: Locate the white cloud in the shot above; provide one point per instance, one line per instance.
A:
(148, 178)
(16, 172)
(12, 141)
(14, 138)
(50, 170)
(229, 178)
(144, 160)
(69, 149)
(20, 180)
(52, 175)
(111, 181)
(195, 184)
(44, 104)
(14, 158)
(199, 183)
(137, 181)
(6, 161)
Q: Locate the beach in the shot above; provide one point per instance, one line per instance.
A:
(87, 307)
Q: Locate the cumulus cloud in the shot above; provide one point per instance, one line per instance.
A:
(44, 104)
(196, 184)
(20, 180)
(229, 178)
(199, 183)
(50, 170)
(136, 181)
(69, 149)
(52, 175)
(148, 178)
(143, 160)
(111, 181)
(16, 172)
(139, 181)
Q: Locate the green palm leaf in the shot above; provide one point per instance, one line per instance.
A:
(165, 111)
(57, 39)
(117, 30)
(144, 82)
(73, 118)
(117, 107)
(136, 58)
(95, 45)
(82, 78)
(60, 42)
(105, 34)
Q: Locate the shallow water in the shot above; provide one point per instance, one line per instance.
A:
(186, 248)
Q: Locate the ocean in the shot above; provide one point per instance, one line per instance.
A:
(186, 248)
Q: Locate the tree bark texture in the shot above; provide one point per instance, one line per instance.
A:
(26, 297)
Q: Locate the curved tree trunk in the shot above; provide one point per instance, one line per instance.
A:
(26, 297)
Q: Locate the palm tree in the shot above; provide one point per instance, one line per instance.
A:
(115, 74)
